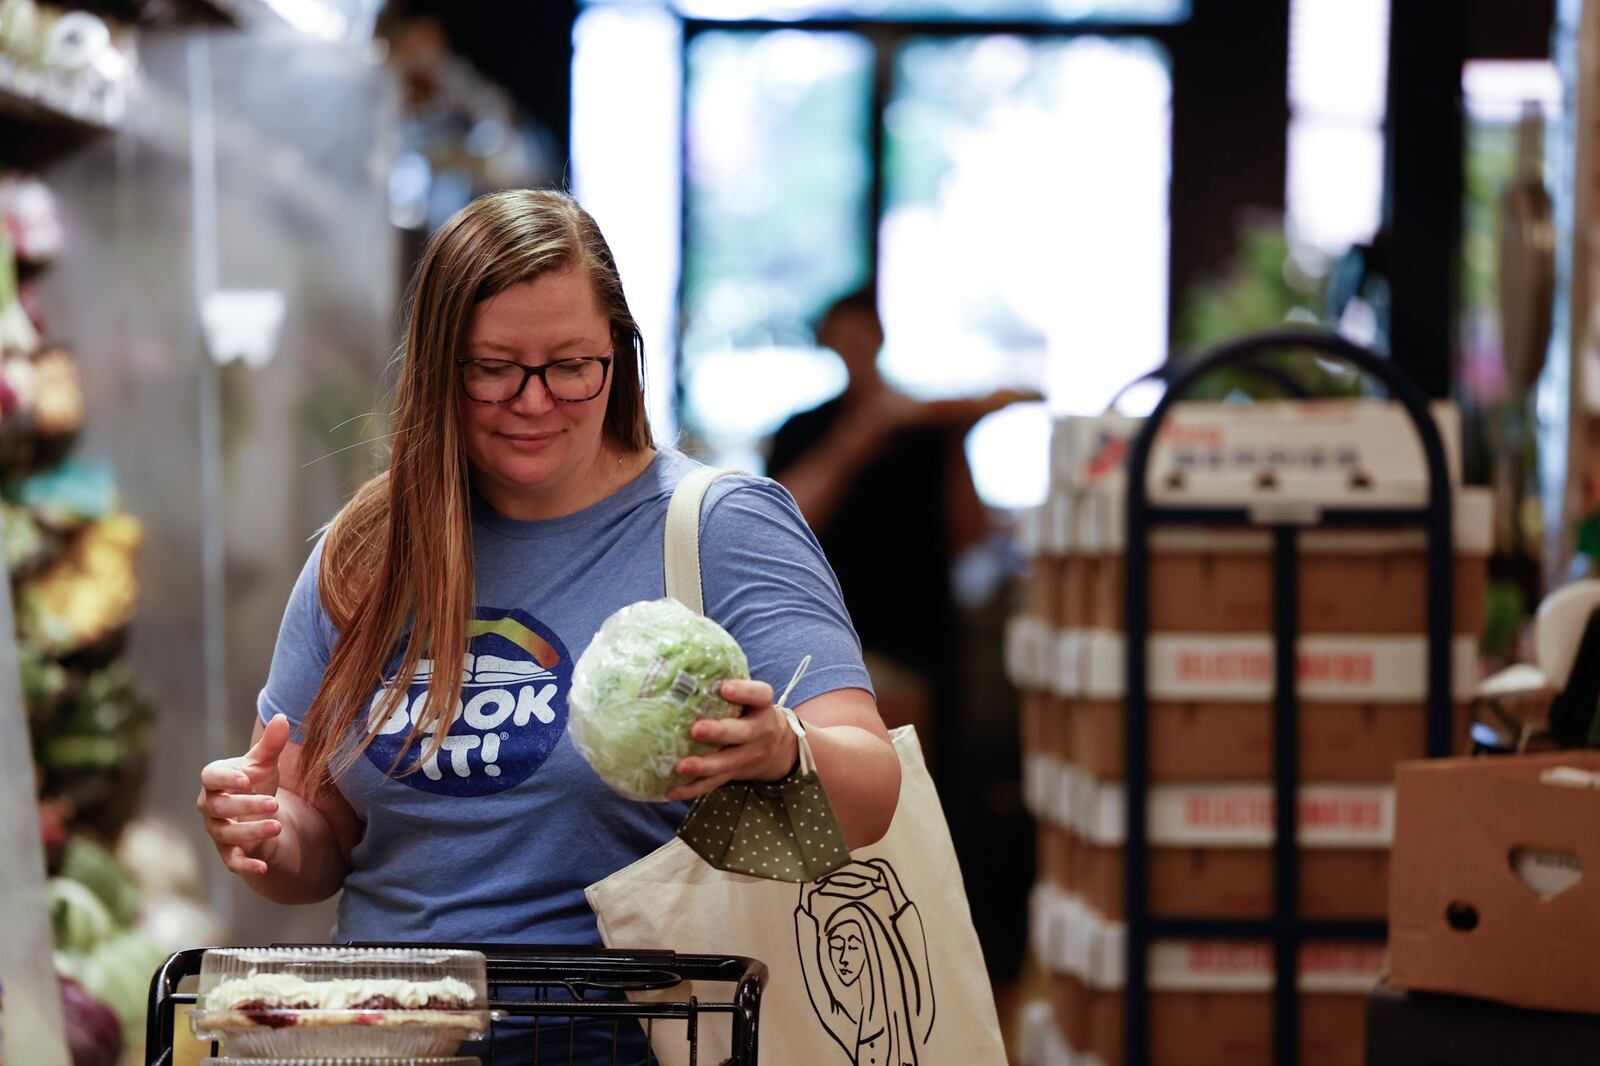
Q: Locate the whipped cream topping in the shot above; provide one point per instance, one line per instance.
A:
(287, 990)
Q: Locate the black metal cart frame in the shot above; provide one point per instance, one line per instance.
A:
(565, 983)
(1285, 929)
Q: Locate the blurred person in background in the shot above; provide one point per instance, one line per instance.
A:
(883, 481)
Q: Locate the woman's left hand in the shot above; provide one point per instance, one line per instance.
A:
(756, 746)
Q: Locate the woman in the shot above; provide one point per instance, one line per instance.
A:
(523, 504)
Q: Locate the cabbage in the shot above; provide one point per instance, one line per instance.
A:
(652, 671)
(94, 1036)
(158, 857)
(173, 923)
(117, 973)
(78, 917)
(93, 867)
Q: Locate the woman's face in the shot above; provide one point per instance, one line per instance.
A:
(532, 457)
(847, 951)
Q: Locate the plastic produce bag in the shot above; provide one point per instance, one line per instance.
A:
(653, 670)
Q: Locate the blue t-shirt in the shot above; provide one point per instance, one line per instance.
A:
(495, 840)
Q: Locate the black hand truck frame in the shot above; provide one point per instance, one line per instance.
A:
(1285, 929)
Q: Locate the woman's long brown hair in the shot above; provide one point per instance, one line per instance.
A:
(397, 562)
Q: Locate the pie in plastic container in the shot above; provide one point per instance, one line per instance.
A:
(341, 1002)
(340, 1062)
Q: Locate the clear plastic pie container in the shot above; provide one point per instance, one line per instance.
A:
(340, 1002)
(341, 1062)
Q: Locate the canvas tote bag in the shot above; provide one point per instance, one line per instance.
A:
(875, 964)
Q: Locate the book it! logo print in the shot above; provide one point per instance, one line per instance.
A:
(513, 709)
(865, 960)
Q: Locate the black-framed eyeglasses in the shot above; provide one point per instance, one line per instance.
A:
(566, 380)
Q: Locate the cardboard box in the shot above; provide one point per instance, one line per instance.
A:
(1234, 882)
(1237, 815)
(1039, 1041)
(1085, 448)
(1210, 716)
(1030, 719)
(1216, 667)
(1209, 1028)
(1039, 775)
(1336, 451)
(1210, 1002)
(1226, 741)
(1045, 542)
(1054, 857)
(1077, 591)
(1210, 845)
(1029, 646)
(1043, 587)
(1496, 879)
(1047, 783)
(1223, 667)
(1204, 588)
(1220, 580)
(1205, 814)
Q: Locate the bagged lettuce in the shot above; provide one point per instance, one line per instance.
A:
(653, 670)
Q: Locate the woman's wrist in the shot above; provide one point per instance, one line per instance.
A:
(787, 758)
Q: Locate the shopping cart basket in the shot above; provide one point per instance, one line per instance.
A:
(558, 989)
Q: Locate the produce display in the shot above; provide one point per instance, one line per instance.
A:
(71, 551)
(87, 594)
(102, 947)
(71, 61)
(94, 1036)
(652, 671)
(122, 891)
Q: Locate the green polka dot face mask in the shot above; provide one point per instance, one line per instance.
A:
(781, 830)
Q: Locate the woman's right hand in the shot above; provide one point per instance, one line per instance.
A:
(238, 798)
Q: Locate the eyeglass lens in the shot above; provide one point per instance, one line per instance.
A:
(496, 380)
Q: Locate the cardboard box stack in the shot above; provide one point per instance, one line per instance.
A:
(1362, 688)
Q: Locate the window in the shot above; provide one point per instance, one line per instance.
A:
(1024, 233)
(778, 185)
(1008, 190)
(1130, 11)
(1338, 60)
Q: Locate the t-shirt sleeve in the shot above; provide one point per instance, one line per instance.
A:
(305, 644)
(767, 582)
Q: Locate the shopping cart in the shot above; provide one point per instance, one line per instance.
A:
(558, 989)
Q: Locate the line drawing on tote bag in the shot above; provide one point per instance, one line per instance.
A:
(865, 959)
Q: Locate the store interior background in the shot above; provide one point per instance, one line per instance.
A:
(1057, 196)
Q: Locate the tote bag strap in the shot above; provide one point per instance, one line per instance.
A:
(682, 548)
(682, 545)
